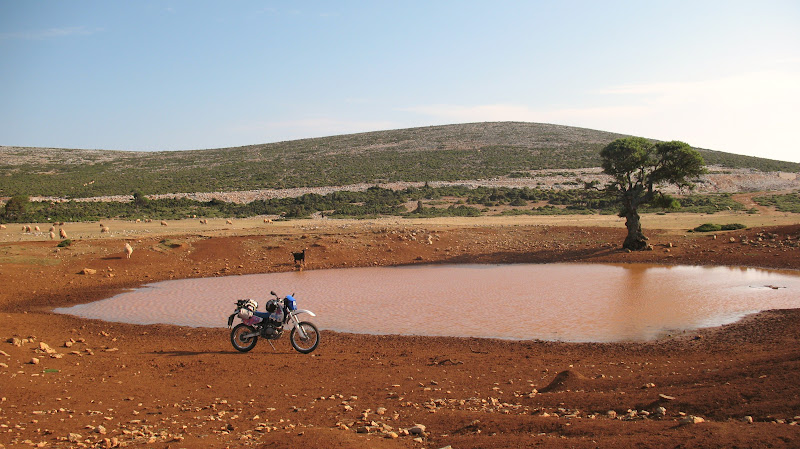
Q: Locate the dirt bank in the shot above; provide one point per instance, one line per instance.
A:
(97, 384)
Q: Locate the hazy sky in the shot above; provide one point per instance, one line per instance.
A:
(175, 75)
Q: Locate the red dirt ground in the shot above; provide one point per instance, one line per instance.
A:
(121, 385)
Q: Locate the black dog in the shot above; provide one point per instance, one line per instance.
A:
(300, 258)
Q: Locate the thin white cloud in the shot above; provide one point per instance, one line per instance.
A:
(51, 33)
(754, 87)
(753, 113)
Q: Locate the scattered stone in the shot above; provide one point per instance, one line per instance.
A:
(34, 361)
(611, 414)
(665, 397)
(748, 419)
(691, 419)
(46, 348)
(88, 271)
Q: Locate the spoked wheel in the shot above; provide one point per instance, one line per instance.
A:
(307, 343)
(243, 338)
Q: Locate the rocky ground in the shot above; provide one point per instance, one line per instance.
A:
(69, 382)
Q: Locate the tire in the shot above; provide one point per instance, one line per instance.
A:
(240, 344)
(305, 346)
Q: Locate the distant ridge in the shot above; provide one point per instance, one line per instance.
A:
(433, 153)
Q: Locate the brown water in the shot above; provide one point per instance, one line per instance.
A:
(567, 302)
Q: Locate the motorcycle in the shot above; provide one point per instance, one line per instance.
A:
(280, 313)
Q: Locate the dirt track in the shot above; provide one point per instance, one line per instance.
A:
(112, 384)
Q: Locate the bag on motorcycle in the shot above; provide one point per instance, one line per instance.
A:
(247, 309)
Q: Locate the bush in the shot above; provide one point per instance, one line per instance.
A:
(708, 227)
(64, 243)
(711, 227)
(733, 227)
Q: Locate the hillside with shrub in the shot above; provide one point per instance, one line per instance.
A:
(436, 153)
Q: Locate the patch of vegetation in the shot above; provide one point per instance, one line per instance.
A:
(64, 243)
(783, 203)
(452, 211)
(713, 227)
(703, 204)
(169, 244)
(372, 202)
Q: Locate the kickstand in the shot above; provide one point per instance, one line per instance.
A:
(273, 346)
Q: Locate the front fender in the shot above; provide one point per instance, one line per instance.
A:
(299, 311)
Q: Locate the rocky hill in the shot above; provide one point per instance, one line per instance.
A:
(451, 153)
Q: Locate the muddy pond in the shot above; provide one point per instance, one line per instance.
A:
(561, 302)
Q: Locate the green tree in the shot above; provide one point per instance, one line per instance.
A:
(16, 207)
(139, 199)
(638, 168)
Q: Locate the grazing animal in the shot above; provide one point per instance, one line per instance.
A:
(52, 235)
(163, 223)
(52, 229)
(62, 233)
(2, 226)
(36, 228)
(300, 258)
(228, 222)
(128, 249)
(267, 220)
(104, 229)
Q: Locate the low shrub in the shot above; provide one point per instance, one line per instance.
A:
(711, 227)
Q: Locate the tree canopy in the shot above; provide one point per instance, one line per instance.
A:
(638, 168)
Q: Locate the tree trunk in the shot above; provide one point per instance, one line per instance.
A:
(636, 240)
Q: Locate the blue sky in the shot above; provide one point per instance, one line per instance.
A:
(177, 75)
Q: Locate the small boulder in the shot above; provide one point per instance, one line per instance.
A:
(691, 419)
(417, 429)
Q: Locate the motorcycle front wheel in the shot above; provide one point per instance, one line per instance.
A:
(240, 341)
(311, 340)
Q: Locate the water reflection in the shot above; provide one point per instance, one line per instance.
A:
(570, 302)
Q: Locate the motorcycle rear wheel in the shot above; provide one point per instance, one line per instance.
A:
(308, 344)
(241, 343)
